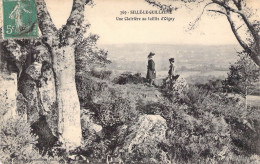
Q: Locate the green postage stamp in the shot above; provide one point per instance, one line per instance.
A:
(19, 19)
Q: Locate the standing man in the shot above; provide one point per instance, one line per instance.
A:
(151, 74)
(171, 71)
(172, 75)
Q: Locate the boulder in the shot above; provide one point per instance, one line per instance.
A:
(88, 123)
(34, 70)
(177, 86)
(144, 140)
(8, 90)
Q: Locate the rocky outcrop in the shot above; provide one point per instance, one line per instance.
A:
(176, 86)
(144, 140)
(8, 90)
(88, 123)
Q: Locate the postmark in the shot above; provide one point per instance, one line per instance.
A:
(19, 19)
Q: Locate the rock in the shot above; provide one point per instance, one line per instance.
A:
(8, 90)
(38, 87)
(148, 128)
(144, 138)
(97, 128)
(47, 90)
(34, 70)
(178, 86)
(88, 123)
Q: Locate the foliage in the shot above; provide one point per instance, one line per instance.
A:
(129, 78)
(110, 108)
(17, 143)
(218, 121)
(116, 112)
(243, 123)
(193, 133)
(101, 74)
(110, 105)
(21, 104)
(46, 140)
(204, 124)
(87, 54)
(242, 75)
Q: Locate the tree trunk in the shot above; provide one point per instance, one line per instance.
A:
(61, 47)
(69, 126)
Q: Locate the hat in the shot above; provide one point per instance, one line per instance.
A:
(151, 54)
(171, 59)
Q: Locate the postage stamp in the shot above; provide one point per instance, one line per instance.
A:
(19, 19)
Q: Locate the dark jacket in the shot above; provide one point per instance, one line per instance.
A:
(151, 74)
(171, 70)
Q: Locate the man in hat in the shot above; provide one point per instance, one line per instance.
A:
(151, 74)
(171, 71)
(169, 81)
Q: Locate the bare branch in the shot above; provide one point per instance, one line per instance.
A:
(217, 11)
(166, 8)
(239, 27)
(199, 17)
(252, 53)
(244, 18)
(233, 28)
(238, 4)
(251, 28)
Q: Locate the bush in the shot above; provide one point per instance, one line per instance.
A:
(17, 143)
(129, 78)
(117, 112)
(110, 108)
(195, 138)
(216, 109)
(242, 75)
(193, 134)
(101, 74)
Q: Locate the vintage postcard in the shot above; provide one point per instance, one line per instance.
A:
(130, 81)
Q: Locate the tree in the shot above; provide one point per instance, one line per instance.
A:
(45, 69)
(242, 76)
(231, 9)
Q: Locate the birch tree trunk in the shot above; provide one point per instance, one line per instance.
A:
(62, 47)
(69, 126)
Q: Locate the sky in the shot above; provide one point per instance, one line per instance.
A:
(211, 30)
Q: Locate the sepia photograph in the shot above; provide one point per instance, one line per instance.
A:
(129, 81)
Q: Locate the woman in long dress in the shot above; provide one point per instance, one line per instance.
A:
(151, 74)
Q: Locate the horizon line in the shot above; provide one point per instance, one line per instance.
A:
(170, 44)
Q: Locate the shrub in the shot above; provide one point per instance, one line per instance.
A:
(242, 75)
(101, 74)
(17, 143)
(117, 112)
(129, 78)
(194, 138)
(205, 106)
(193, 134)
(46, 139)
